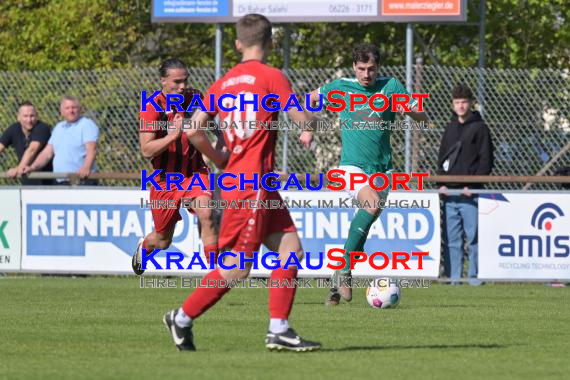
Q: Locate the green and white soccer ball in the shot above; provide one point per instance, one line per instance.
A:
(383, 294)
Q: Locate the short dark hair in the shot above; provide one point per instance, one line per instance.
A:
(365, 52)
(254, 29)
(26, 103)
(171, 63)
(462, 91)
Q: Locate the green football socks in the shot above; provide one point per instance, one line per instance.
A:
(357, 235)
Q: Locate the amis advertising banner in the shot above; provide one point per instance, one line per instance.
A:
(524, 236)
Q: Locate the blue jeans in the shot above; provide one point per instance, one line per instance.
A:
(460, 216)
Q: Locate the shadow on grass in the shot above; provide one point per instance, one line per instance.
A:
(310, 303)
(417, 347)
(439, 306)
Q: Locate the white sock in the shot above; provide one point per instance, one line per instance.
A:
(181, 319)
(278, 326)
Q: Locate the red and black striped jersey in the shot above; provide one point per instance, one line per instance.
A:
(181, 156)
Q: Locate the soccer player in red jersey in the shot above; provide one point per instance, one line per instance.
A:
(251, 151)
(171, 151)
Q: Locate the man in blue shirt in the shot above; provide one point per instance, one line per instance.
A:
(73, 144)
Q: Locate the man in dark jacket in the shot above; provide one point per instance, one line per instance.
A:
(28, 137)
(466, 149)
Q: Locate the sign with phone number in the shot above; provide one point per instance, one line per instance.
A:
(228, 11)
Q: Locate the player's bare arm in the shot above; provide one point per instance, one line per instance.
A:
(314, 97)
(152, 147)
(297, 116)
(413, 113)
(220, 143)
(200, 140)
(306, 136)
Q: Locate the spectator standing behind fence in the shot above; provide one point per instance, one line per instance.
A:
(73, 144)
(28, 136)
(466, 149)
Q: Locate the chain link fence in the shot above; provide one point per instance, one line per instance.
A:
(527, 112)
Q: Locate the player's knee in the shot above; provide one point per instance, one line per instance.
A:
(370, 201)
(242, 273)
(374, 211)
(163, 243)
(372, 208)
(236, 273)
(300, 255)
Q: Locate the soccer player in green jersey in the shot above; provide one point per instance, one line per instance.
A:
(364, 150)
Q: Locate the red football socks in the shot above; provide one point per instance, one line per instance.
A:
(204, 298)
(211, 248)
(281, 297)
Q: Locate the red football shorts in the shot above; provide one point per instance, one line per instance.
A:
(245, 229)
(166, 218)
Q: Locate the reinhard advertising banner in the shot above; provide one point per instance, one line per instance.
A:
(96, 231)
(412, 226)
(524, 236)
(90, 231)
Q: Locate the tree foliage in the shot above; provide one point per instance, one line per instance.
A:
(88, 34)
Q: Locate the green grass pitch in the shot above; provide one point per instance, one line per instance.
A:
(108, 327)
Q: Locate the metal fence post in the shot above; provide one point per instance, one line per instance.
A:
(286, 58)
(409, 83)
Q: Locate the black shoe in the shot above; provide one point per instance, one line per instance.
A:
(343, 283)
(333, 298)
(136, 261)
(182, 336)
(289, 340)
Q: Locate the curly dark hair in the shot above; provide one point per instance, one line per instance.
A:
(462, 91)
(364, 52)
